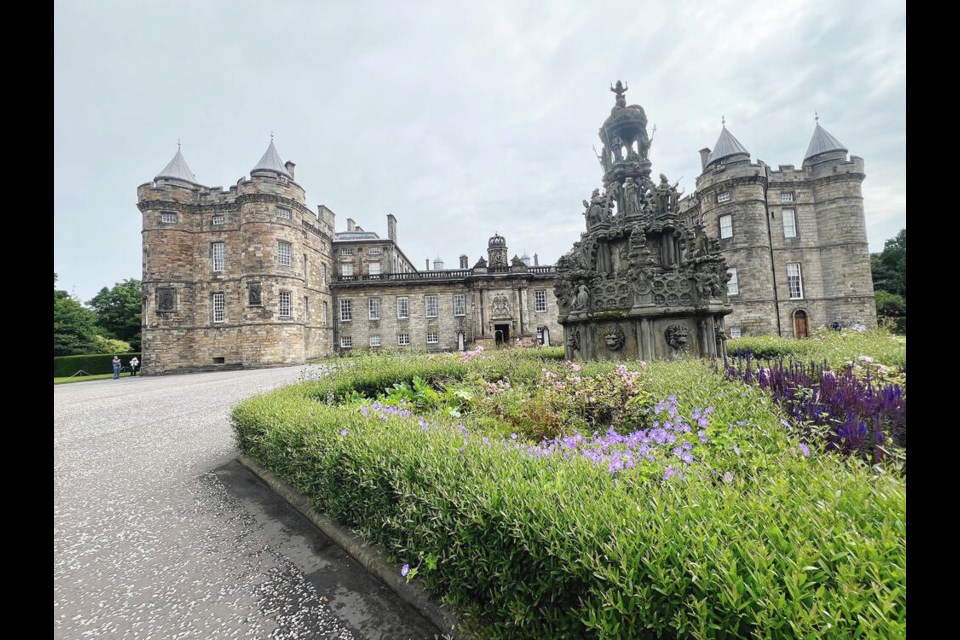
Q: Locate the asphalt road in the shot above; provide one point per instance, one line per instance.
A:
(160, 533)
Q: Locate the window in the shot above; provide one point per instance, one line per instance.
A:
(431, 304)
(346, 269)
(306, 268)
(723, 197)
(789, 223)
(346, 310)
(218, 218)
(374, 341)
(306, 308)
(459, 304)
(283, 214)
(786, 196)
(168, 217)
(219, 307)
(733, 285)
(217, 251)
(166, 299)
(254, 298)
(735, 332)
(374, 251)
(433, 337)
(374, 268)
(346, 251)
(794, 280)
(403, 308)
(346, 342)
(284, 254)
(373, 306)
(540, 300)
(284, 304)
(323, 273)
(403, 339)
(323, 313)
(726, 226)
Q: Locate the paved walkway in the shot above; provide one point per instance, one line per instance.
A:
(159, 533)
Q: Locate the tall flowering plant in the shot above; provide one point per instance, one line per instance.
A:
(856, 413)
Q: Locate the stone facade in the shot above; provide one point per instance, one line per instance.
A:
(251, 277)
(804, 227)
(442, 309)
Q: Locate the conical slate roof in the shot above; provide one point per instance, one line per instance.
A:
(822, 142)
(271, 161)
(178, 169)
(726, 146)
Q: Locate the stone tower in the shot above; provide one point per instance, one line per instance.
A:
(232, 277)
(794, 239)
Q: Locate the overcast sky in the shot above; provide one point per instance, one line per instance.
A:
(462, 119)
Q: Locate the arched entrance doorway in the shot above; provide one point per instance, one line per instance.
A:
(800, 324)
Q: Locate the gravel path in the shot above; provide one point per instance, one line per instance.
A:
(158, 533)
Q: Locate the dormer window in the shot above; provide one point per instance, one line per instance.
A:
(168, 217)
(723, 197)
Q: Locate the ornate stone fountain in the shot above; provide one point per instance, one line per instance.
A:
(644, 281)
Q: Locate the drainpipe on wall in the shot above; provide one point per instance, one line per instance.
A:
(773, 264)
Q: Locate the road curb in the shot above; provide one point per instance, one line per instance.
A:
(371, 556)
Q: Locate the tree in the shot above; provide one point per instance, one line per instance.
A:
(118, 311)
(890, 266)
(890, 304)
(74, 332)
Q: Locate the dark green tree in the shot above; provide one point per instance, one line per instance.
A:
(118, 311)
(73, 325)
(890, 266)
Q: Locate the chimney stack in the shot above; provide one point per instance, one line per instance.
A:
(536, 261)
(463, 261)
(428, 264)
(392, 228)
(351, 225)
(704, 154)
(290, 167)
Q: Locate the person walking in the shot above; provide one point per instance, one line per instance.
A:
(134, 364)
(116, 367)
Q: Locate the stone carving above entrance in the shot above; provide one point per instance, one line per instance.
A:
(501, 306)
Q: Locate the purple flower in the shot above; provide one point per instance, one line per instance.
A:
(736, 449)
(804, 449)
(344, 432)
(405, 570)
(686, 457)
(668, 473)
(728, 476)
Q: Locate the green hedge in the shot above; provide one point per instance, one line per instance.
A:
(836, 348)
(94, 364)
(529, 547)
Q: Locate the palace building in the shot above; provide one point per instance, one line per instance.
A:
(250, 276)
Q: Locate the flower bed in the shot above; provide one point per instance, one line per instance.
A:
(658, 500)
